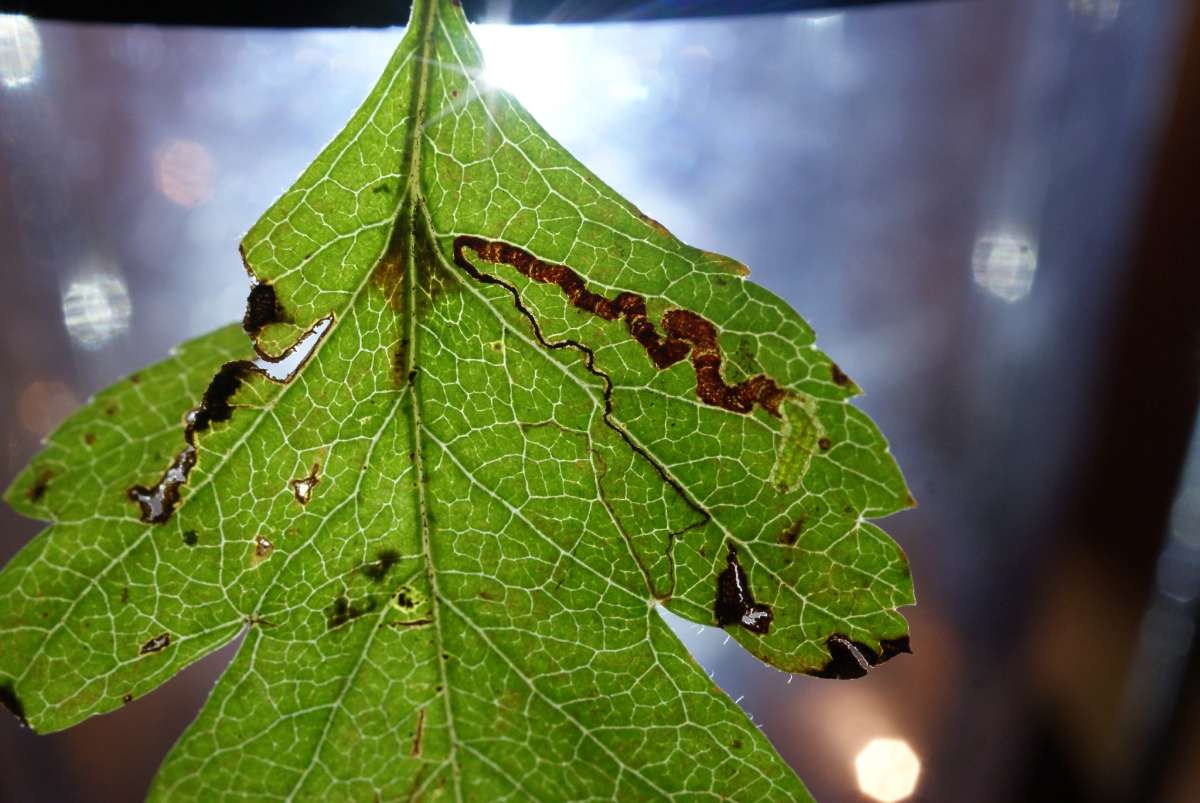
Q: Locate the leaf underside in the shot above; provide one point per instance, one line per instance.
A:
(527, 416)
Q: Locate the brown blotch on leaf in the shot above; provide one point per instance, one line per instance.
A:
(685, 332)
(383, 563)
(404, 599)
(853, 659)
(342, 611)
(418, 732)
(654, 224)
(156, 644)
(388, 274)
(127, 698)
(825, 444)
(90, 438)
(839, 376)
(41, 483)
(9, 699)
(262, 549)
(302, 487)
(262, 309)
(791, 535)
(735, 603)
(190, 537)
(125, 594)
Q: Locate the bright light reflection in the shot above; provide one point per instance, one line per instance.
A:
(20, 50)
(184, 172)
(1004, 264)
(887, 770)
(96, 309)
(533, 62)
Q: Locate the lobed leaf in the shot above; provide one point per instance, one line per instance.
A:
(525, 417)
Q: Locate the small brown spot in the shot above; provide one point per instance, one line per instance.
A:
(404, 599)
(127, 699)
(262, 548)
(156, 644)
(135, 379)
(342, 611)
(383, 563)
(41, 483)
(453, 93)
(89, 438)
(736, 744)
(416, 743)
(825, 444)
(792, 534)
(190, 537)
(839, 376)
(111, 409)
(125, 594)
(654, 224)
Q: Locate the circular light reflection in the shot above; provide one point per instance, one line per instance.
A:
(1004, 264)
(20, 50)
(887, 770)
(96, 309)
(184, 172)
(44, 404)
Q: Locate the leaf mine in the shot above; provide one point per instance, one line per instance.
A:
(481, 420)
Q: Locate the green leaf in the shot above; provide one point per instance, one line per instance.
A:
(524, 417)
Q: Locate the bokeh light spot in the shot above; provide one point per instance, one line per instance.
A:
(44, 404)
(887, 770)
(96, 309)
(184, 172)
(20, 50)
(1004, 264)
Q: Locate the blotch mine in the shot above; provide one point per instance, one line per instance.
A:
(156, 644)
(379, 568)
(735, 603)
(262, 309)
(342, 611)
(796, 444)
(791, 535)
(838, 375)
(852, 659)
(41, 483)
(262, 549)
(302, 487)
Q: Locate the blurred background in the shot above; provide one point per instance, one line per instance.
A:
(991, 214)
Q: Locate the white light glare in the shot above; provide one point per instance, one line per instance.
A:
(887, 770)
(20, 50)
(1004, 264)
(532, 62)
(96, 309)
